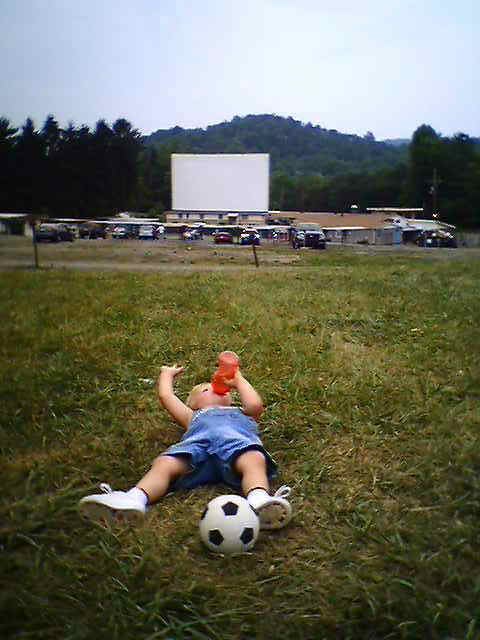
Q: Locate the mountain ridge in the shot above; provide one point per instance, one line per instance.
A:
(397, 142)
(295, 148)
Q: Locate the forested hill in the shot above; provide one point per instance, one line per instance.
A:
(295, 148)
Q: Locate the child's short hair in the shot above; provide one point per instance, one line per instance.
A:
(194, 392)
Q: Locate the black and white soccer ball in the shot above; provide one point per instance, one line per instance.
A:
(229, 525)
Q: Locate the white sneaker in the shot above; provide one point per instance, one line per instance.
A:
(276, 511)
(111, 506)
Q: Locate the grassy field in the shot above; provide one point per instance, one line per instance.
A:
(369, 368)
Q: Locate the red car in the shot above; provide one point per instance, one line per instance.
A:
(223, 237)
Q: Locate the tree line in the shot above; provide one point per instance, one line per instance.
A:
(69, 172)
(440, 174)
(78, 171)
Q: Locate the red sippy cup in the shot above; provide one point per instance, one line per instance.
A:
(228, 364)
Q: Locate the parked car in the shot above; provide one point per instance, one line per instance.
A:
(315, 239)
(223, 237)
(148, 232)
(123, 232)
(91, 231)
(66, 233)
(250, 236)
(298, 239)
(84, 231)
(309, 238)
(46, 232)
(436, 238)
(193, 234)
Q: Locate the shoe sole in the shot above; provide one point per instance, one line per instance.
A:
(106, 515)
(275, 515)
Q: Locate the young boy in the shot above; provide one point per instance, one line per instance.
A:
(221, 444)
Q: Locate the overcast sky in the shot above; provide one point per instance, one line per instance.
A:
(384, 66)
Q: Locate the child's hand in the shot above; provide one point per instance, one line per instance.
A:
(172, 371)
(233, 382)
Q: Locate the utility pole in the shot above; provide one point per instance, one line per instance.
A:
(33, 225)
(434, 193)
(257, 264)
(35, 246)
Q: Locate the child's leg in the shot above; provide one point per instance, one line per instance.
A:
(274, 511)
(165, 469)
(120, 505)
(252, 466)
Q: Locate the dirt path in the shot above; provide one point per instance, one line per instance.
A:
(173, 256)
(12, 264)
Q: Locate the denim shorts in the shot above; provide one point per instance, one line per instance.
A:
(212, 443)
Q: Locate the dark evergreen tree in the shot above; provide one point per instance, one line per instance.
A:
(101, 172)
(29, 162)
(124, 152)
(7, 166)
(73, 170)
(51, 135)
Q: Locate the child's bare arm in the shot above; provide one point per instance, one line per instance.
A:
(175, 407)
(251, 401)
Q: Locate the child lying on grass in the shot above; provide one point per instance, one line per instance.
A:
(221, 444)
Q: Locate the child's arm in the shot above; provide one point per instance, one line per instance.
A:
(175, 407)
(251, 401)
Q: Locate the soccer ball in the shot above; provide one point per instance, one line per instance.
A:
(229, 525)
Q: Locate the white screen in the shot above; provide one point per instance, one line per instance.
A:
(224, 182)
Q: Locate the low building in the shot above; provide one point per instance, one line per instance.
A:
(383, 225)
(14, 224)
(218, 217)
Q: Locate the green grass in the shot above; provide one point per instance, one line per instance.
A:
(369, 368)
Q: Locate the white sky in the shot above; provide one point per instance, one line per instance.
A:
(384, 66)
